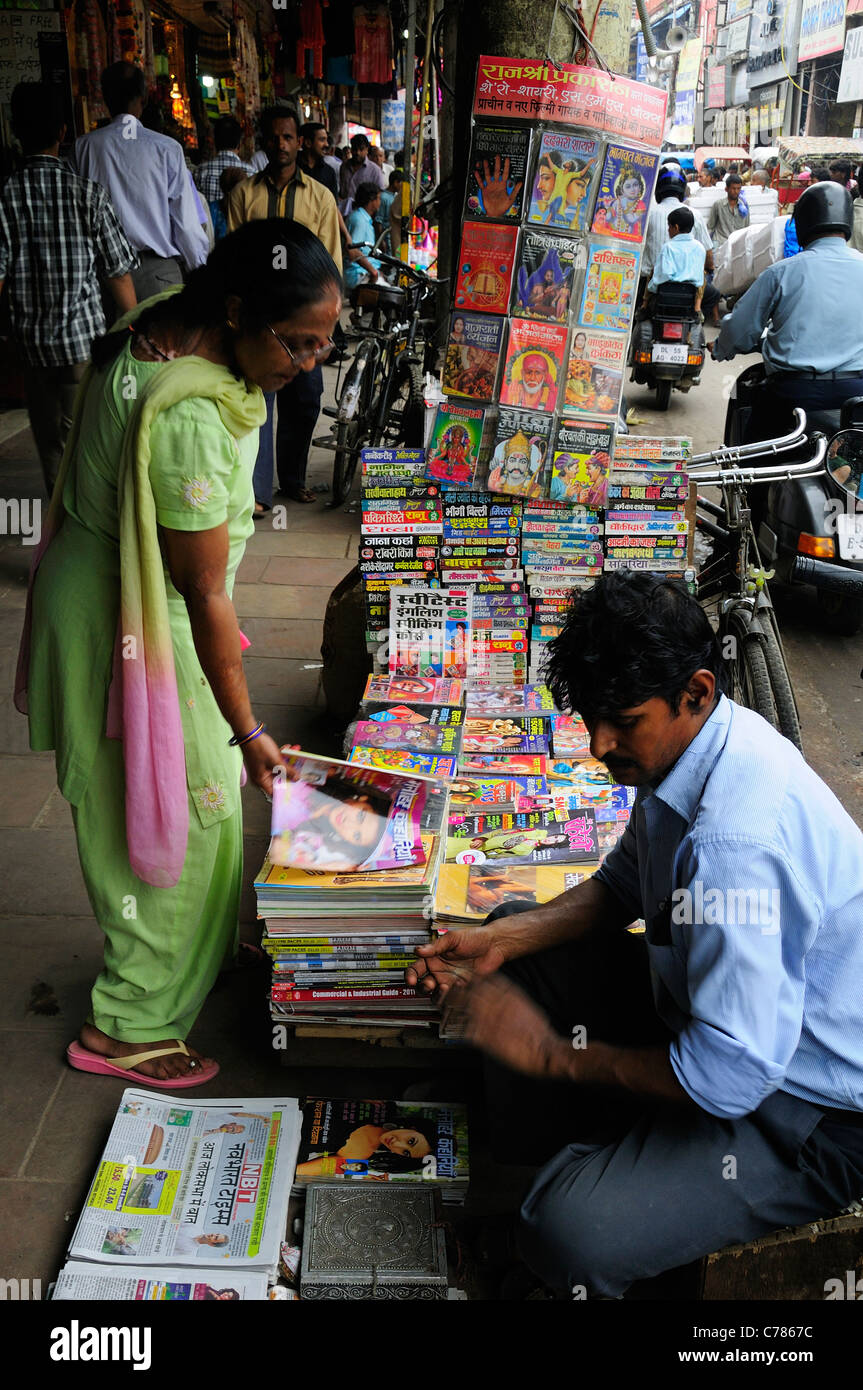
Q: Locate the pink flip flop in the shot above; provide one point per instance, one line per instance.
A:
(82, 1059)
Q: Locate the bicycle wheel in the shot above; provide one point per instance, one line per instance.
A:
(405, 416)
(349, 436)
(747, 664)
(783, 695)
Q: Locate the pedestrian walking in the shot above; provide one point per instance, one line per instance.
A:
(59, 242)
(227, 134)
(145, 176)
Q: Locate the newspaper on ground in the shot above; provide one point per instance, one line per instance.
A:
(81, 1282)
(198, 1184)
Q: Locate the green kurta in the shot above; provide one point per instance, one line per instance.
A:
(164, 945)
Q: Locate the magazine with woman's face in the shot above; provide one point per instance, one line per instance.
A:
(337, 817)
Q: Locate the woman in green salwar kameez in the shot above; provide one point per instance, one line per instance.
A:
(135, 676)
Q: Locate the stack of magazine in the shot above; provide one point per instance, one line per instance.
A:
(189, 1201)
(344, 891)
(374, 1141)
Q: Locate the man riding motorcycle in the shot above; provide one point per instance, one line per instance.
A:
(810, 307)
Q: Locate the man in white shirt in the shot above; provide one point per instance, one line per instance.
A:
(146, 178)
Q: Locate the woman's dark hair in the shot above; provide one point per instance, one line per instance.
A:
(365, 194)
(384, 1161)
(342, 789)
(630, 637)
(273, 266)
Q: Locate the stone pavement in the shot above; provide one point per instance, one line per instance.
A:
(54, 1120)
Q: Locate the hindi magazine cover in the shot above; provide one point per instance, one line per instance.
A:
(594, 373)
(567, 169)
(608, 296)
(625, 191)
(498, 169)
(522, 837)
(581, 463)
(543, 281)
(521, 442)
(534, 364)
(331, 816)
(429, 632)
(485, 265)
(472, 355)
(454, 446)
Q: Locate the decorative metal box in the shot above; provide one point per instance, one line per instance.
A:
(373, 1242)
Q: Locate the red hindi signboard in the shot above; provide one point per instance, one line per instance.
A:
(532, 89)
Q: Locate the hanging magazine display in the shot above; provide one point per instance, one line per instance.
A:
(485, 267)
(472, 355)
(567, 169)
(625, 191)
(608, 297)
(581, 463)
(521, 443)
(594, 373)
(498, 169)
(534, 365)
(454, 446)
(545, 271)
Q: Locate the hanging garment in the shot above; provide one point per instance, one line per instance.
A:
(311, 40)
(373, 44)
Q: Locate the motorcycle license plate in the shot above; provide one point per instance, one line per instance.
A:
(670, 352)
(850, 533)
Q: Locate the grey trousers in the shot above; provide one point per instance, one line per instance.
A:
(50, 396)
(155, 274)
(635, 1189)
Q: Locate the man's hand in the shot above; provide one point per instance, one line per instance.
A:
(456, 958)
(497, 1017)
(496, 197)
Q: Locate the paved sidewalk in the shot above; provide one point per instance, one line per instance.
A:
(54, 1120)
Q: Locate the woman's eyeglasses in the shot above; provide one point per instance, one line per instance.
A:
(306, 354)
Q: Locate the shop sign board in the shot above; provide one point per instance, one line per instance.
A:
(851, 77)
(685, 87)
(822, 28)
(531, 89)
(773, 34)
(716, 86)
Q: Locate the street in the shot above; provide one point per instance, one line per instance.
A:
(826, 670)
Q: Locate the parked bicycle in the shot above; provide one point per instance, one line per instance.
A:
(732, 584)
(380, 404)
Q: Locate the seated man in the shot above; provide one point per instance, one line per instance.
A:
(361, 231)
(681, 259)
(702, 1083)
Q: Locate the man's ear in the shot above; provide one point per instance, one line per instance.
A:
(700, 691)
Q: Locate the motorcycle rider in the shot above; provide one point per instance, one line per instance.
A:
(813, 349)
(671, 190)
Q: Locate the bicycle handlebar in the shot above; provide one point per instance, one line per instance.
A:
(809, 468)
(418, 275)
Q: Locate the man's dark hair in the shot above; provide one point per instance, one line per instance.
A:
(629, 638)
(396, 178)
(310, 130)
(359, 142)
(682, 219)
(123, 83)
(733, 178)
(37, 115)
(227, 133)
(820, 175)
(277, 113)
(841, 166)
(366, 192)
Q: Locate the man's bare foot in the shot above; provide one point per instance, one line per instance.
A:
(162, 1069)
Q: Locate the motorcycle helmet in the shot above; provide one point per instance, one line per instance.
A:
(823, 208)
(672, 183)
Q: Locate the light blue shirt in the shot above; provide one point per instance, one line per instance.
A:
(746, 827)
(681, 260)
(657, 231)
(145, 176)
(361, 230)
(810, 306)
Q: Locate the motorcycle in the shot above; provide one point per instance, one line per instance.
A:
(668, 343)
(811, 529)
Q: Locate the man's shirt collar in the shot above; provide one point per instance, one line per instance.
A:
(681, 788)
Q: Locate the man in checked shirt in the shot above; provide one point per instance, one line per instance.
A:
(59, 236)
